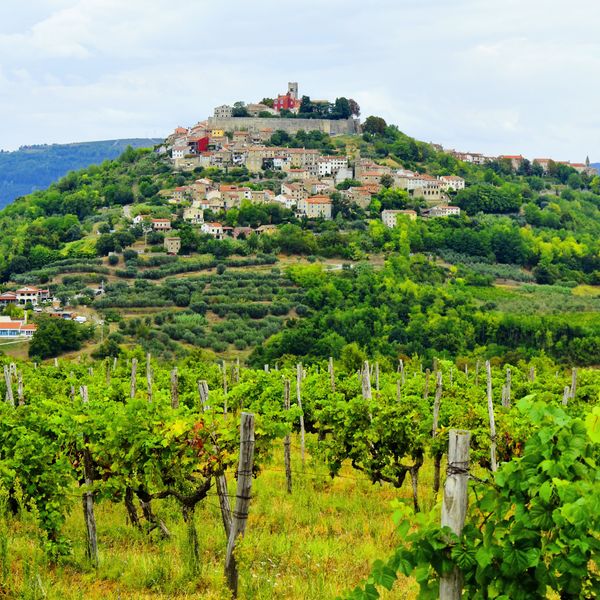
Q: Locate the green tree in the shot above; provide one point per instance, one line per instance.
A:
(374, 125)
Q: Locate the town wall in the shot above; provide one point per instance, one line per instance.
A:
(329, 126)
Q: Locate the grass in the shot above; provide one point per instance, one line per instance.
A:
(313, 544)
(540, 299)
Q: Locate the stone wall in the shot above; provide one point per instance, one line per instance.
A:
(331, 127)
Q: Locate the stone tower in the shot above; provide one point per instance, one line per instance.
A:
(293, 89)
(587, 161)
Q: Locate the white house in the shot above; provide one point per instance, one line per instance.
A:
(443, 210)
(452, 182)
(14, 329)
(214, 229)
(179, 151)
(330, 165)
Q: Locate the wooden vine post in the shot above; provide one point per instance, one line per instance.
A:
(367, 393)
(9, 391)
(20, 389)
(88, 496)
(221, 480)
(149, 376)
(224, 387)
(573, 383)
(490, 403)
(287, 441)
(203, 393)
(566, 395)
(133, 375)
(174, 389)
(437, 461)
(401, 370)
(299, 376)
(242, 499)
(454, 506)
(507, 389)
(426, 388)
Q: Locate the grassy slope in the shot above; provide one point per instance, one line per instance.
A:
(311, 545)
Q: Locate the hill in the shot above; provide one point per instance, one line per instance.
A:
(33, 168)
(512, 276)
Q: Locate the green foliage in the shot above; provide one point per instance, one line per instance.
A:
(530, 529)
(54, 336)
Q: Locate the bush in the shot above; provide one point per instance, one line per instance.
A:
(113, 260)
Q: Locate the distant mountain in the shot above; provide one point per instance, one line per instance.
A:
(33, 168)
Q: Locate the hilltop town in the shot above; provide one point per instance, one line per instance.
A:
(255, 137)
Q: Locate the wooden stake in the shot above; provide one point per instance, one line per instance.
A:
(367, 393)
(477, 373)
(266, 368)
(56, 362)
(237, 370)
(242, 499)
(203, 393)
(174, 389)
(491, 417)
(454, 506)
(531, 373)
(299, 374)
(114, 367)
(401, 370)
(287, 441)
(437, 461)
(507, 393)
(133, 374)
(221, 480)
(398, 390)
(88, 497)
(566, 395)
(20, 391)
(107, 365)
(224, 388)
(9, 391)
(377, 375)
(149, 376)
(426, 388)
(573, 383)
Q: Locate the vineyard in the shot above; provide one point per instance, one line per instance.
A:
(133, 478)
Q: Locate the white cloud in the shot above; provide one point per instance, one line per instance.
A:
(508, 76)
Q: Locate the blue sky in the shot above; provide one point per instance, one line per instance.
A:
(500, 77)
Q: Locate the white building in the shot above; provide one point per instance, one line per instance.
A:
(214, 229)
(443, 210)
(285, 201)
(330, 165)
(179, 151)
(452, 182)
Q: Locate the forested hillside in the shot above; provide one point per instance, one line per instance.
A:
(515, 273)
(33, 168)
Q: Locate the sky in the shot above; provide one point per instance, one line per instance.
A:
(492, 76)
